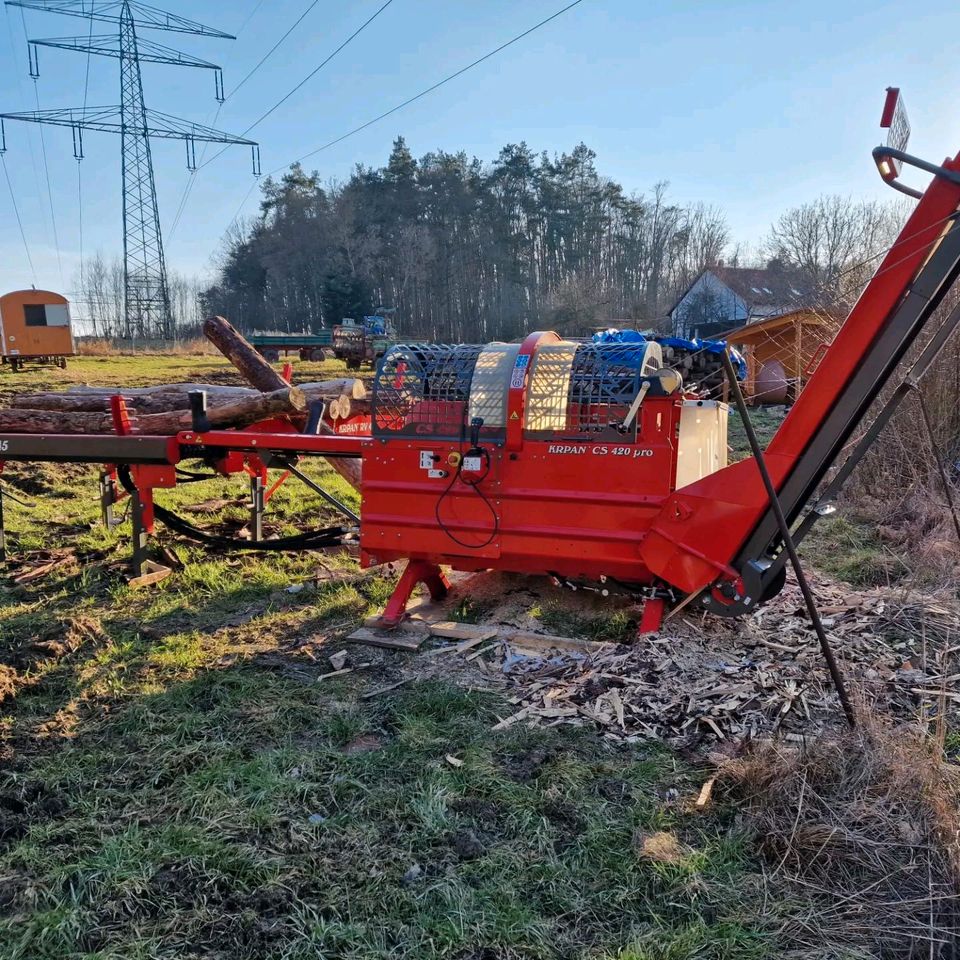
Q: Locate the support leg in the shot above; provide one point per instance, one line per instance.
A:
(138, 558)
(257, 504)
(417, 571)
(108, 498)
(144, 571)
(652, 617)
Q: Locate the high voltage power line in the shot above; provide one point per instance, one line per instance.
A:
(192, 179)
(418, 96)
(310, 75)
(146, 296)
(438, 84)
(16, 213)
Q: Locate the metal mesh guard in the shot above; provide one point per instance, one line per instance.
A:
(491, 384)
(586, 391)
(424, 389)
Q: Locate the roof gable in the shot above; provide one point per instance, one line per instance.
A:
(762, 287)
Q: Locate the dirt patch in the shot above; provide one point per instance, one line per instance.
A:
(365, 743)
(526, 766)
(467, 845)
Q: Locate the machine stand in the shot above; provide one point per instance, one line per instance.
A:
(257, 505)
(417, 571)
(3, 533)
(108, 498)
(652, 618)
(144, 570)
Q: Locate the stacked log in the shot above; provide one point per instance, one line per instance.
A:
(258, 373)
(175, 396)
(240, 412)
(164, 409)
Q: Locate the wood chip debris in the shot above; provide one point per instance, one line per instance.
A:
(727, 681)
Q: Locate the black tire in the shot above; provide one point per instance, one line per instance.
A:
(271, 356)
(62, 363)
(353, 364)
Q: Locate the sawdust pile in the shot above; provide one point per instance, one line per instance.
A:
(864, 827)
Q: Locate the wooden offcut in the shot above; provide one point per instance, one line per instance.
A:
(394, 640)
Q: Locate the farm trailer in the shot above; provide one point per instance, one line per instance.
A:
(35, 327)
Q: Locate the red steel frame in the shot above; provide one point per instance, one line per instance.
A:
(571, 506)
(701, 527)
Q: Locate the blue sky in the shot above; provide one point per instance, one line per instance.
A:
(751, 106)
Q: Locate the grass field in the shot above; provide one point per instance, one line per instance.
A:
(176, 782)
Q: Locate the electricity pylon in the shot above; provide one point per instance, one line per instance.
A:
(146, 297)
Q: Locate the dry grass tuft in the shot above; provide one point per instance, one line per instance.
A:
(107, 347)
(864, 829)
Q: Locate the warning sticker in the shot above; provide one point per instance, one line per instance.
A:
(519, 371)
(514, 415)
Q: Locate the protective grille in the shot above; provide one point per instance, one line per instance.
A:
(548, 388)
(604, 380)
(491, 384)
(424, 389)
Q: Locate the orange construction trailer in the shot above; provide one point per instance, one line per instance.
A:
(35, 325)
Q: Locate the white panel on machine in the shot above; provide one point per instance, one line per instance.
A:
(702, 443)
(491, 381)
(548, 389)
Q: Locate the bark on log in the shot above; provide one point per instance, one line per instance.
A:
(83, 389)
(241, 413)
(234, 346)
(258, 373)
(52, 421)
(346, 386)
(351, 385)
(163, 399)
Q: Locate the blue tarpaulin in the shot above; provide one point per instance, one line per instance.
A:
(678, 343)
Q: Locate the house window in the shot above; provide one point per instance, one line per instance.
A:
(35, 314)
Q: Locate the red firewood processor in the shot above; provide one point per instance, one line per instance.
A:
(594, 462)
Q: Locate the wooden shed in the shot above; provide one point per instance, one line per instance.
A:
(35, 325)
(782, 352)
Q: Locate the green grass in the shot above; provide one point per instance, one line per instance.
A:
(229, 812)
(176, 783)
(766, 421)
(851, 550)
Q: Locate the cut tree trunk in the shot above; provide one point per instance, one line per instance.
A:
(53, 421)
(258, 373)
(83, 389)
(164, 399)
(240, 413)
(349, 385)
(235, 347)
(344, 407)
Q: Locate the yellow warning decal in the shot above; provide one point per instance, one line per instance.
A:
(514, 415)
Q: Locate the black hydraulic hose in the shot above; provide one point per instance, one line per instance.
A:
(309, 540)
